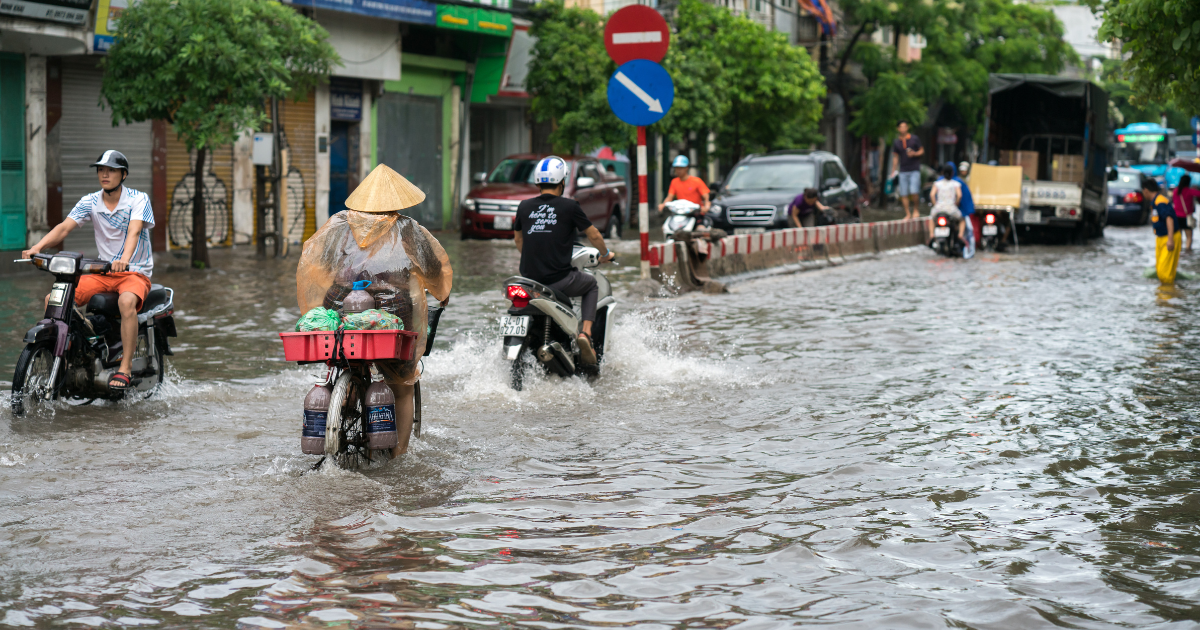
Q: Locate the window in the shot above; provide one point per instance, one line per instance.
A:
(831, 170)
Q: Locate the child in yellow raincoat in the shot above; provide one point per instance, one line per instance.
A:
(372, 241)
(1166, 242)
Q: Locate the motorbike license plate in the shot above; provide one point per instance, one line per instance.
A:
(1033, 216)
(511, 326)
(990, 230)
(755, 230)
(58, 294)
(941, 232)
(502, 222)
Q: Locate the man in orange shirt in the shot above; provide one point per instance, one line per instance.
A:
(684, 186)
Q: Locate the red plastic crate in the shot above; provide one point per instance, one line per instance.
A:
(363, 345)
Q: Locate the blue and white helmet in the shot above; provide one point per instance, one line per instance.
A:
(551, 170)
(681, 161)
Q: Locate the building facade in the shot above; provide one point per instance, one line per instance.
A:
(434, 90)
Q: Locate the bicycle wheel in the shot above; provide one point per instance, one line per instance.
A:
(346, 441)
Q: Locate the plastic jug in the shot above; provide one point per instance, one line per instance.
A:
(381, 416)
(358, 300)
(316, 411)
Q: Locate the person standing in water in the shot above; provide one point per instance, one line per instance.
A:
(1166, 237)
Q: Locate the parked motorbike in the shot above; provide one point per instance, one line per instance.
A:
(543, 324)
(945, 236)
(685, 215)
(71, 355)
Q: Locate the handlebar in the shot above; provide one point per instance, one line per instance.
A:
(86, 265)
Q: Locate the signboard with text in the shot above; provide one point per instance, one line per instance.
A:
(416, 11)
(345, 99)
(65, 11)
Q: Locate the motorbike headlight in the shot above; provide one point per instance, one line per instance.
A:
(62, 264)
(469, 204)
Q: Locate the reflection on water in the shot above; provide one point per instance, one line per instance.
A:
(897, 442)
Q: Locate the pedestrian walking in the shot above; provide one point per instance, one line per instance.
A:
(1184, 201)
(1166, 238)
(908, 150)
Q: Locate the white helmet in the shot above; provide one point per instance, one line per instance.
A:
(551, 170)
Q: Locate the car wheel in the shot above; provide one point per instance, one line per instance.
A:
(613, 231)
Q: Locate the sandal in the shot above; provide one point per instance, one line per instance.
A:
(119, 381)
(587, 353)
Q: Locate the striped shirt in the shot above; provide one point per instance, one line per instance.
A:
(112, 227)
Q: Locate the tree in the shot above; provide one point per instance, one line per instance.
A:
(731, 75)
(206, 66)
(1130, 109)
(1162, 39)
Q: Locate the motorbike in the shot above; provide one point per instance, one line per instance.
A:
(543, 324)
(684, 217)
(945, 236)
(71, 355)
(991, 238)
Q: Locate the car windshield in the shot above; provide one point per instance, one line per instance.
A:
(773, 176)
(513, 172)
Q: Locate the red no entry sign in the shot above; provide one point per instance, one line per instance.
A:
(636, 32)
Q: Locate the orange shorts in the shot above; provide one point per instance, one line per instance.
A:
(124, 282)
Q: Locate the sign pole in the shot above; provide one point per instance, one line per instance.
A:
(643, 203)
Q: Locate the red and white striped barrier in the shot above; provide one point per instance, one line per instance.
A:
(664, 254)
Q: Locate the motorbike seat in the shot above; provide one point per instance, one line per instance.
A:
(106, 303)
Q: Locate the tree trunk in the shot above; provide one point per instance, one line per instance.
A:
(199, 228)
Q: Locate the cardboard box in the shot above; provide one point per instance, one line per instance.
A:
(1027, 160)
(996, 185)
(1066, 168)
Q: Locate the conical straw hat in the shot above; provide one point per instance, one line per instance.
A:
(384, 190)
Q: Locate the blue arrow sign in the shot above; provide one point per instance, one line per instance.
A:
(640, 92)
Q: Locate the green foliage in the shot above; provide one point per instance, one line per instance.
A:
(966, 40)
(731, 76)
(207, 66)
(1162, 39)
(568, 78)
(1130, 109)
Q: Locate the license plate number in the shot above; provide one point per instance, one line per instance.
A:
(502, 222)
(58, 294)
(511, 326)
(990, 230)
(941, 232)
(1033, 216)
(756, 230)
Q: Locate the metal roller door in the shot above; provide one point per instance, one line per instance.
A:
(410, 141)
(86, 131)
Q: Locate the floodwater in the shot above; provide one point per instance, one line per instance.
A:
(896, 442)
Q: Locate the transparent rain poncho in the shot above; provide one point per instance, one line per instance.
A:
(400, 258)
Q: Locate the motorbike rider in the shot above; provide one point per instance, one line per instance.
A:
(122, 218)
(372, 241)
(686, 186)
(945, 196)
(966, 205)
(544, 232)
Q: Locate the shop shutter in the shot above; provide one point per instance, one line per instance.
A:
(299, 124)
(86, 132)
(12, 151)
(218, 193)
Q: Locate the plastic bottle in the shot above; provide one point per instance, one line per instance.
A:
(381, 416)
(358, 300)
(316, 410)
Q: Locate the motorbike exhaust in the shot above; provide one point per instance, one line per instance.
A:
(555, 357)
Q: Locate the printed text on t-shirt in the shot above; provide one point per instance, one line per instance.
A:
(542, 217)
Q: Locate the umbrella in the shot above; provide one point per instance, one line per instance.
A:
(1192, 166)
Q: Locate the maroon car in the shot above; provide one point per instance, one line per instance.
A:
(490, 207)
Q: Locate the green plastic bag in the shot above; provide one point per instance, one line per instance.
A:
(372, 319)
(319, 318)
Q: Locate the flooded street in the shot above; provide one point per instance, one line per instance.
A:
(902, 441)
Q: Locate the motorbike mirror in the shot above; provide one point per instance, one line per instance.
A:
(479, 177)
(831, 182)
(585, 182)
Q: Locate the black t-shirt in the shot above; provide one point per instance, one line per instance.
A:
(901, 147)
(548, 224)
